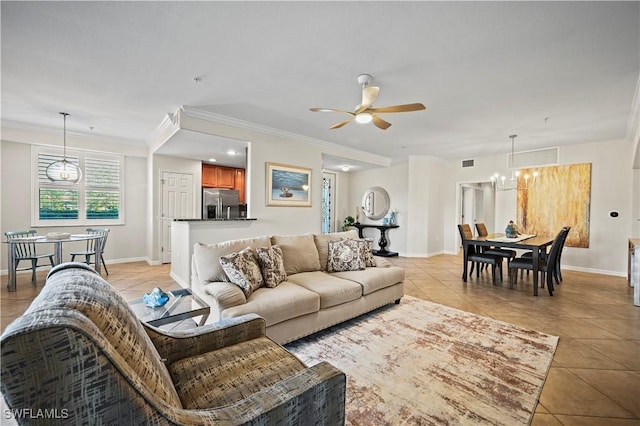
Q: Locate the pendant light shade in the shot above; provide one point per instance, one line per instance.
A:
(64, 171)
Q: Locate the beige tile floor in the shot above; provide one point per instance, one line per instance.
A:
(595, 375)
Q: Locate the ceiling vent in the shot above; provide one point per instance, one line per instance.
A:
(467, 163)
(540, 157)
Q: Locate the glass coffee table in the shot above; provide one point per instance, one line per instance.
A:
(182, 305)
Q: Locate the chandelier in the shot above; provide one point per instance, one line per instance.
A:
(64, 171)
(515, 182)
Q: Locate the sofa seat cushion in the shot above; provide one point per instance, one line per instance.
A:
(231, 374)
(277, 304)
(331, 289)
(373, 279)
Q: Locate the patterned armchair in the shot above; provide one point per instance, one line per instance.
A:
(79, 355)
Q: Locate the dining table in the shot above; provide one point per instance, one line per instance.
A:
(536, 243)
(57, 257)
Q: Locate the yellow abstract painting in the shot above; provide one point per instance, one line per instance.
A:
(560, 196)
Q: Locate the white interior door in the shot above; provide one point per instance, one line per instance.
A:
(468, 204)
(177, 203)
(478, 211)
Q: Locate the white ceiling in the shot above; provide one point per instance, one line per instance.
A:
(554, 73)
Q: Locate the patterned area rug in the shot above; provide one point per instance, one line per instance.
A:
(421, 363)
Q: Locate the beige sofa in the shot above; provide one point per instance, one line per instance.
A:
(311, 299)
(80, 356)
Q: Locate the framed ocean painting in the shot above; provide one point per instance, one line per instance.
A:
(288, 186)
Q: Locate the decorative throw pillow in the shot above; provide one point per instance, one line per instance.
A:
(322, 243)
(346, 255)
(243, 270)
(272, 265)
(368, 252)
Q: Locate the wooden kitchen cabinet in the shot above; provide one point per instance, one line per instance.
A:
(209, 176)
(239, 184)
(224, 177)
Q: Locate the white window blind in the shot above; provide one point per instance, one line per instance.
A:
(97, 199)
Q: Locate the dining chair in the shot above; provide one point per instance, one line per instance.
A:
(26, 250)
(504, 253)
(91, 247)
(557, 272)
(546, 266)
(478, 258)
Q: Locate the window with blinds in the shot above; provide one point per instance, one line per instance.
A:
(96, 199)
(102, 197)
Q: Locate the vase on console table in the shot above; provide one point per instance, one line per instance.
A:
(392, 218)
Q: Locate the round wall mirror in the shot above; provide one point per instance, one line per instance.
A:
(375, 203)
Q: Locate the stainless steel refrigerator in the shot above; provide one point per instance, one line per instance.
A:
(220, 203)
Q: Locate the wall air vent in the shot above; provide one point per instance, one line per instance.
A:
(540, 157)
(467, 163)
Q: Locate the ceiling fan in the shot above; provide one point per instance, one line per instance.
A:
(365, 113)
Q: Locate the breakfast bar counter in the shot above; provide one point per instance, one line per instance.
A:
(185, 233)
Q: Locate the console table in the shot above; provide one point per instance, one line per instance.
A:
(382, 242)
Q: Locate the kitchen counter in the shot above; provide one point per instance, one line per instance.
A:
(185, 233)
(241, 219)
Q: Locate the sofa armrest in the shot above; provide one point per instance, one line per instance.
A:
(381, 262)
(313, 396)
(176, 345)
(227, 295)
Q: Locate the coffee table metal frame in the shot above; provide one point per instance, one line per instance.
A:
(179, 307)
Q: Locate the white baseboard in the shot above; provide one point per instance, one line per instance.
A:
(179, 280)
(108, 262)
(594, 271)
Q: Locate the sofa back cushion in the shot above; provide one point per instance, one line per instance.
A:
(322, 244)
(299, 253)
(206, 256)
(76, 287)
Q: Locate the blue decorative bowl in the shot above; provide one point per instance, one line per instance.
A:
(156, 298)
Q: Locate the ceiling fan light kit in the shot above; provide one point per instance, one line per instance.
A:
(365, 113)
(364, 117)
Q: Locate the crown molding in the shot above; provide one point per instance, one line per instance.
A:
(167, 128)
(200, 114)
(58, 132)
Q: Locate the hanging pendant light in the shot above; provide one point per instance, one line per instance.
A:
(516, 182)
(64, 171)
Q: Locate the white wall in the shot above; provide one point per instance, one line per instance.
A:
(424, 213)
(126, 242)
(424, 191)
(263, 148)
(611, 189)
(395, 180)
(163, 163)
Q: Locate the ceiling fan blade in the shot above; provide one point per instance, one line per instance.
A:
(398, 108)
(369, 96)
(331, 110)
(379, 122)
(340, 124)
